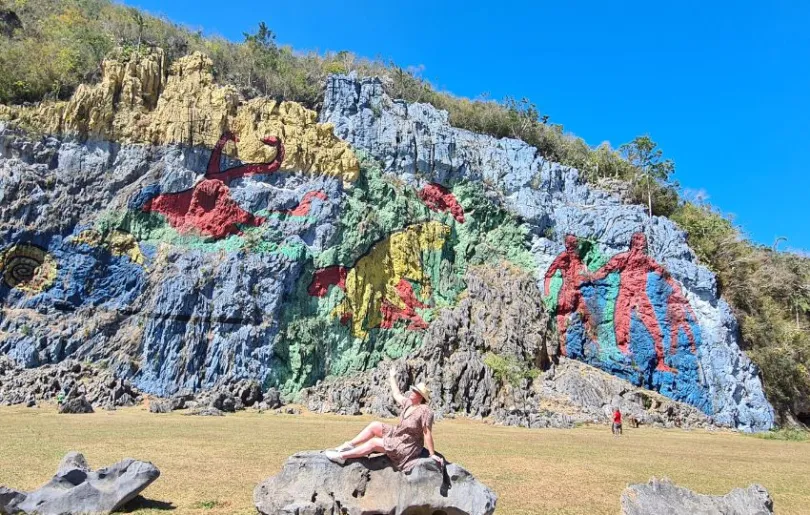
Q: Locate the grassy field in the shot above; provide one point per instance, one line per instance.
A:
(210, 465)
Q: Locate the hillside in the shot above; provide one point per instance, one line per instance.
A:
(189, 220)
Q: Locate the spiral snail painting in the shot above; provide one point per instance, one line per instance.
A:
(28, 268)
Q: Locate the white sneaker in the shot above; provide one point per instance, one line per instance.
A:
(334, 457)
(345, 446)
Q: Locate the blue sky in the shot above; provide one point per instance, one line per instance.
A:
(723, 88)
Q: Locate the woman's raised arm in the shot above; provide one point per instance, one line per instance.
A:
(392, 378)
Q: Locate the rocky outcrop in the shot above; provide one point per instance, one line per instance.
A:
(76, 406)
(662, 497)
(77, 489)
(70, 378)
(310, 483)
(160, 406)
(681, 338)
(500, 317)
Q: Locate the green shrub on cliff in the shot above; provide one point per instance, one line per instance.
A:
(770, 294)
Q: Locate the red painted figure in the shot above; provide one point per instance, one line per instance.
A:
(634, 265)
(391, 313)
(208, 206)
(569, 300)
(678, 311)
(438, 198)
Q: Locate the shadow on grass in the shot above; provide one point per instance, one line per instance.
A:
(141, 503)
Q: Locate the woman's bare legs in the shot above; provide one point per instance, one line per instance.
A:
(375, 429)
(375, 444)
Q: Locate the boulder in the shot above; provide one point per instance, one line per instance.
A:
(310, 483)
(250, 393)
(72, 461)
(663, 497)
(76, 405)
(9, 500)
(272, 399)
(77, 489)
(160, 406)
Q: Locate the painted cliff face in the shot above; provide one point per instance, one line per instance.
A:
(628, 316)
(72, 272)
(186, 256)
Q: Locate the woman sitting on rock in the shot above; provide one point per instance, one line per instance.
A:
(402, 443)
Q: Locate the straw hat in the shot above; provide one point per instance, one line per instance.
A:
(422, 390)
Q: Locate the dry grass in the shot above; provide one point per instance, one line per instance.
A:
(210, 465)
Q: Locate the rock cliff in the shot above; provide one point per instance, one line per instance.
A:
(184, 238)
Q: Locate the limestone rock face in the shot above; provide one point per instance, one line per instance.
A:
(309, 483)
(77, 489)
(662, 497)
(114, 295)
(500, 315)
(648, 313)
(188, 240)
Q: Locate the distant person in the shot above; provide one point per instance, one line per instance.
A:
(617, 422)
(402, 443)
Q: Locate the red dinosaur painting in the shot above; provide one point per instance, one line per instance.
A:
(208, 208)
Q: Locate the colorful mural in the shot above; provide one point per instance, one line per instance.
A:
(379, 287)
(440, 199)
(28, 268)
(631, 294)
(569, 297)
(208, 208)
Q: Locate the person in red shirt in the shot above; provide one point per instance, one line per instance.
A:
(617, 422)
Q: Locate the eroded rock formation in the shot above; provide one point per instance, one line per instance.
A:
(310, 483)
(627, 294)
(663, 497)
(77, 489)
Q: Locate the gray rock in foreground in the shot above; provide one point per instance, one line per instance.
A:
(76, 406)
(9, 499)
(309, 484)
(663, 497)
(77, 489)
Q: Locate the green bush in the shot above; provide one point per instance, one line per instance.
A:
(770, 294)
(509, 370)
(792, 435)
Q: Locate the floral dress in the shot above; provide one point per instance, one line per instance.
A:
(404, 442)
